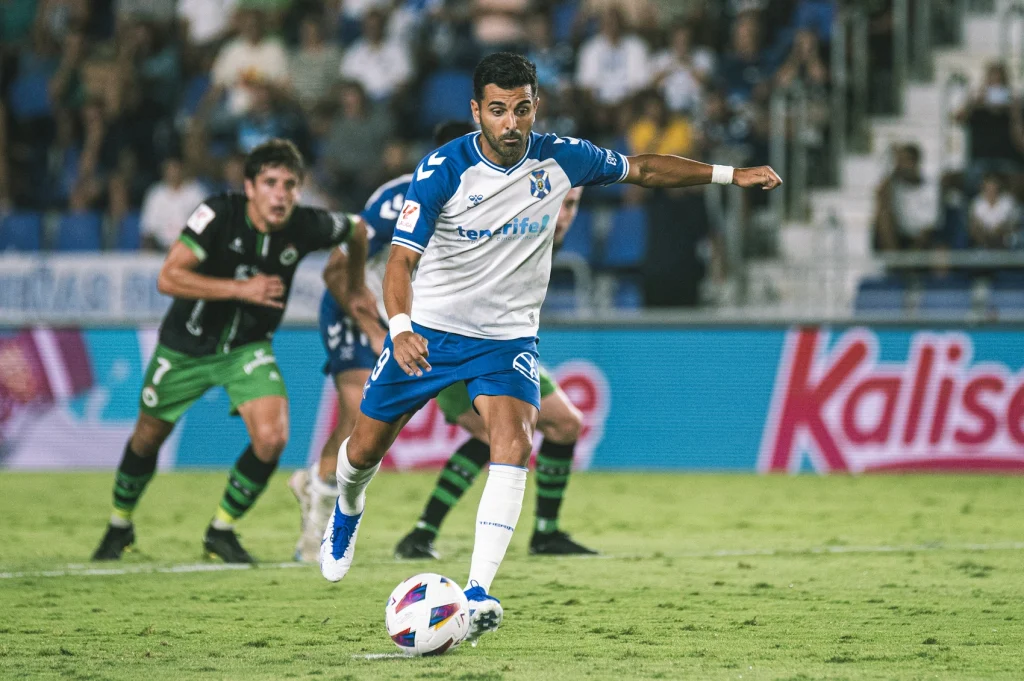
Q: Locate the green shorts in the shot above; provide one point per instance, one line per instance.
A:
(175, 380)
(454, 400)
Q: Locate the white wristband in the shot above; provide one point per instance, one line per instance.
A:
(721, 174)
(400, 323)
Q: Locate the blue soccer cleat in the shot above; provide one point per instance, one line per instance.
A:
(339, 544)
(485, 613)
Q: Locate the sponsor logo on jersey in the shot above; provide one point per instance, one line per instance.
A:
(526, 364)
(410, 214)
(519, 228)
(341, 223)
(260, 358)
(236, 245)
(289, 255)
(540, 184)
(200, 218)
(837, 404)
(475, 199)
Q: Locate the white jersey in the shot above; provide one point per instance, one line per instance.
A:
(486, 232)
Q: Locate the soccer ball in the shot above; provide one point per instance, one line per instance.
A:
(427, 615)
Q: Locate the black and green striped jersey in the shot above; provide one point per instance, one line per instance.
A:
(228, 246)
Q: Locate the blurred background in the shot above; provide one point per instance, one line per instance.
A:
(897, 125)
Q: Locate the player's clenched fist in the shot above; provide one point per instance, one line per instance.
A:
(760, 176)
(411, 353)
(261, 289)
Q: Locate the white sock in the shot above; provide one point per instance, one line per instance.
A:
(352, 483)
(496, 520)
(322, 497)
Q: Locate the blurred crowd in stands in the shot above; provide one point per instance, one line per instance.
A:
(126, 113)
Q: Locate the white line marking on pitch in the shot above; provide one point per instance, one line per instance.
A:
(80, 570)
(382, 656)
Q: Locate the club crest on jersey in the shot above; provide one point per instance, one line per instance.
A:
(526, 364)
(540, 184)
(289, 255)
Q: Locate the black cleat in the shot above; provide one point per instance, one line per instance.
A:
(224, 544)
(557, 543)
(114, 542)
(417, 545)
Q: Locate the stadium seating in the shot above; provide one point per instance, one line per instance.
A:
(79, 232)
(129, 234)
(21, 231)
(944, 296)
(628, 294)
(579, 240)
(626, 243)
(445, 94)
(884, 296)
(29, 96)
(1007, 303)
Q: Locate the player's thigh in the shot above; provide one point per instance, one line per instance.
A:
(560, 421)
(510, 425)
(250, 373)
(266, 419)
(173, 382)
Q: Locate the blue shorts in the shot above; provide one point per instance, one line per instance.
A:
(489, 367)
(346, 345)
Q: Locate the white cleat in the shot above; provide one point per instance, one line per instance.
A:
(485, 613)
(298, 483)
(338, 545)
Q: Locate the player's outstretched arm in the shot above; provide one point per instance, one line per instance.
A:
(179, 279)
(666, 171)
(360, 303)
(410, 347)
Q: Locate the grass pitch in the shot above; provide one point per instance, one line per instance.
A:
(703, 577)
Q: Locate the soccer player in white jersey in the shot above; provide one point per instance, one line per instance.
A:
(463, 287)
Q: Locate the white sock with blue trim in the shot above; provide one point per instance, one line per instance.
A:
(496, 520)
(352, 483)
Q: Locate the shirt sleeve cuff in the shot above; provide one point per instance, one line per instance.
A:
(193, 246)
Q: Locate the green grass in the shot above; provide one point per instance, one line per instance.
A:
(704, 577)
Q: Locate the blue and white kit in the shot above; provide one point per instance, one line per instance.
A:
(347, 347)
(485, 234)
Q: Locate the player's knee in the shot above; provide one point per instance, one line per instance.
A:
(269, 440)
(363, 453)
(565, 429)
(513, 449)
(147, 438)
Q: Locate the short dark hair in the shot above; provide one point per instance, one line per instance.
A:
(447, 131)
(274, 153)
(507, 70)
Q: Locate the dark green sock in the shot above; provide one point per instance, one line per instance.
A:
(246, 482)
(130, 482)
(456, 477)
(554, 464)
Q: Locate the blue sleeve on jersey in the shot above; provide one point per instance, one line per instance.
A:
(587, 164)
(381, 213)
(433, 184)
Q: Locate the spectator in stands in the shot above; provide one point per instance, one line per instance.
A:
(639, 16)
(314, 64)
(804, 65)
(381, 67)
(995, 127)
(612, 65)
(351, 153)
(252, 57)
(59, 17)
(498, 24)
(168, 204)
(657, 130)
(994, 215)
(744, 73)
(160, 12)
(155, 62)
(554, 61)
(269, 116)
(682, 71)
(907, 205)
(206, 22)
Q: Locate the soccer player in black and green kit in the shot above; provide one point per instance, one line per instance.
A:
(229, 274)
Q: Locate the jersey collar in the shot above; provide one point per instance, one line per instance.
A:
(494, 166)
